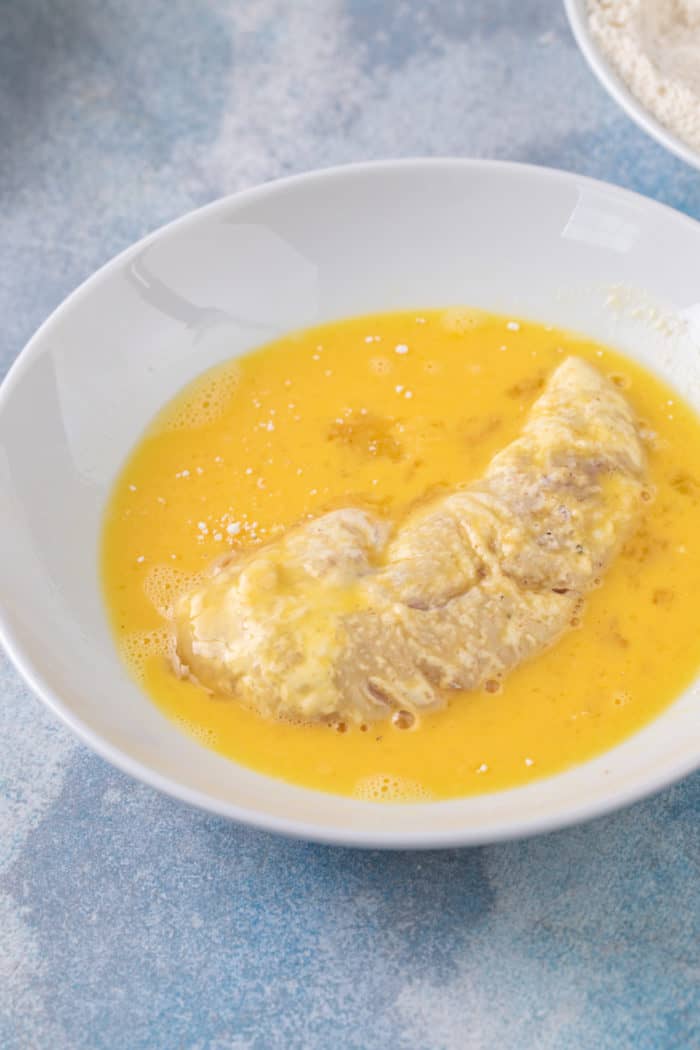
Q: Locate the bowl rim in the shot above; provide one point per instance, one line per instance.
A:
(331, 834)
(618, 90)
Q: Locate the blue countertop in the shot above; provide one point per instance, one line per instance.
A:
(129, 921)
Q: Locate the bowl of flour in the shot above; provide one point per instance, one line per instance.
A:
(646, 53)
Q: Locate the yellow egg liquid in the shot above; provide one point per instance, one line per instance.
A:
(382, 412)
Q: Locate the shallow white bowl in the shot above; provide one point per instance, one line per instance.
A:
(516, 239)
(576, 11)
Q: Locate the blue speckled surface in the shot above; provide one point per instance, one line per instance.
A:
(129, 921)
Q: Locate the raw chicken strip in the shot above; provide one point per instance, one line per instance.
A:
(347, 619)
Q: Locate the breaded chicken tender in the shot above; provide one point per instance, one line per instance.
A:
(350, 618)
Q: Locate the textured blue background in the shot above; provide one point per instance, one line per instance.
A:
(128, 921)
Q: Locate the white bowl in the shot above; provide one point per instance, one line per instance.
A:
(511, 238)
(576, 11)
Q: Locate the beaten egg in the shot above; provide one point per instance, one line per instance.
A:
(382, 413)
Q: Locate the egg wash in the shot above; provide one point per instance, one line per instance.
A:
(383, 413)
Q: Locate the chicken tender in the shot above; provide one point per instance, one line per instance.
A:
(350, 618)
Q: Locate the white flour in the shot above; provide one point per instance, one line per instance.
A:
(654, 45)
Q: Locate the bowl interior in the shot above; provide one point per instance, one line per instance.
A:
(544, 245)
